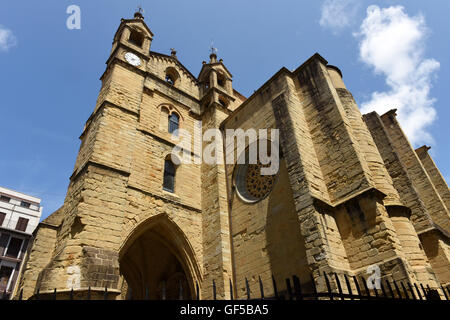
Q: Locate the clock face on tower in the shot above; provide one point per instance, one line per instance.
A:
(132, 59)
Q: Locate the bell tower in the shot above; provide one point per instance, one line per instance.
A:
(133, 34)
(215, 83)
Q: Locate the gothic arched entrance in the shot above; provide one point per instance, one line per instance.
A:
(157, 262)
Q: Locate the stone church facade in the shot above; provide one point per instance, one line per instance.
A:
(350, 192)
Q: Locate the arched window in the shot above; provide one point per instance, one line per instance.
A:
(169, 176)
(173, 122)
(172, 76)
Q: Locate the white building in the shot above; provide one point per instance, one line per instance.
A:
(19, 216)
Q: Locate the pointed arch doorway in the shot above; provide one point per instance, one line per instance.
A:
(158, 263)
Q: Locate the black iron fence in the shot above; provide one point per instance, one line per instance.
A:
(338, 287)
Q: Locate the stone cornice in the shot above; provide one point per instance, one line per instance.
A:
(179, 203)
(88, 163)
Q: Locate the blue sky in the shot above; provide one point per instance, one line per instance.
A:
(394, 54)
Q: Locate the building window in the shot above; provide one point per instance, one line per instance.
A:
(136, 38)
(5, 198)
(13, 247)
(169, 176)
(172, 75)
(2, 218)
(5, 274)
(25, 204)
(174, 120)
(22, 224)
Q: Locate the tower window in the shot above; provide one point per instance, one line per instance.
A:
(221, 80)
(172, 75)
(2, 218)
(136, 38)
(169, 176)
(174, 121)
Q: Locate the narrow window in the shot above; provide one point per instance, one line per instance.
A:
(2, 218)
(14, 247)
(5, 198)
(173, 122)
(22, 224)
(169, 176)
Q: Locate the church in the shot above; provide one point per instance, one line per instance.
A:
(350, 193)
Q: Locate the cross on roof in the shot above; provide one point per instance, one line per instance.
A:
(139, 9)
(213, 50)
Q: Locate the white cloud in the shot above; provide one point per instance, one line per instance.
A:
(393, 43)
(338, 14)
(7, 39)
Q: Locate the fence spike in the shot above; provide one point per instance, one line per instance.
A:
(398, 291)
(21, 294)
(275, 290)
(390, 289)
(404, 289)
(411, 290)
(261, 287)
(247, 287)
(130, 293)
(54, 294)
(89, 293)
(376, 291)
(418, 291)
(297, 287)
(71, 294)
(105, 296)
(164, 290)
(339, 285)
(289, 288)
(383, 290)
(349, 288)
(358, 289)
(231, 289)
(314, 286)
(366, 288)
(214, 290)
(328, 285)
(424, 292)
(37, 293)
(197, 289)
(445, 293)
